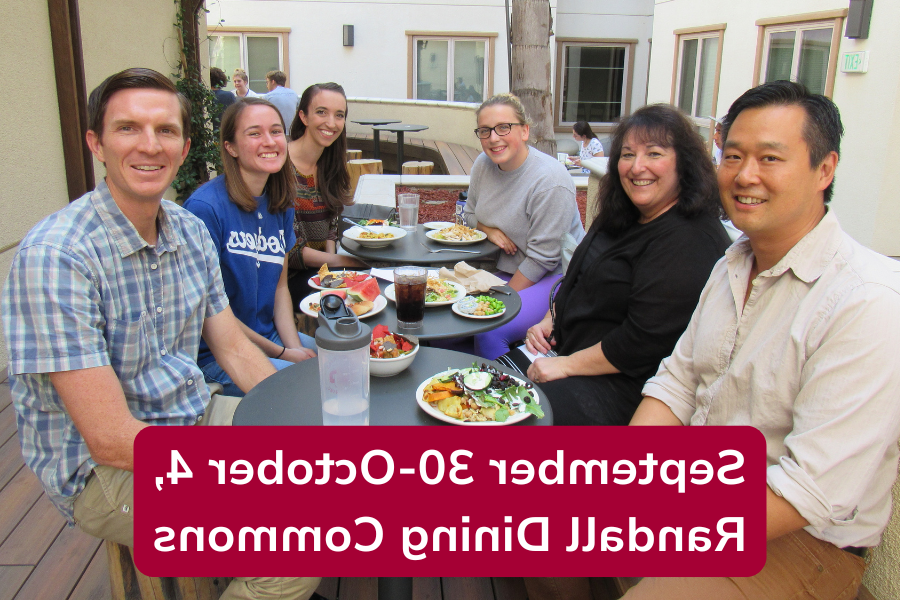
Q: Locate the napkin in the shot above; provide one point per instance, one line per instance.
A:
(474, 280)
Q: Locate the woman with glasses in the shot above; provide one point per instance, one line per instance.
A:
(635, 279)
(524, 200)
(249, 214)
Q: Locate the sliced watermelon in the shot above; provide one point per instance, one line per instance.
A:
(367, 290)
(338, 293)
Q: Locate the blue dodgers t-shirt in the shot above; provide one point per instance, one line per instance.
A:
(251, 247)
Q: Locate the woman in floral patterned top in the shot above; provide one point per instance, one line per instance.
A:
(318, 153)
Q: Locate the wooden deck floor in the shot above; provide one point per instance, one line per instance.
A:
(42, 559)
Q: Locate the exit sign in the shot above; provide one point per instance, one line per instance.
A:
(855, 62)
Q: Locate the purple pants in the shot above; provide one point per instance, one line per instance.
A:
(535, 304)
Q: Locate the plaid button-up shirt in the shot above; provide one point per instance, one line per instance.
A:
(85, 290)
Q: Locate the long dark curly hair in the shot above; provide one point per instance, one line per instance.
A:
(698, 191)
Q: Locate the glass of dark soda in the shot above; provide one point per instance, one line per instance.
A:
(409, 290)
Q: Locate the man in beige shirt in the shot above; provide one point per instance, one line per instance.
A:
(796, 333)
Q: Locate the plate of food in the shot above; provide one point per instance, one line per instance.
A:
(336, 280)
(438, 292)
(478, 396)
(479, 307)
(364, 299)
(457, 235)
(377, 238)
(438, 224)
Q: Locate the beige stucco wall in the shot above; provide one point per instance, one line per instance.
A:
(865, 197)
(32, 178)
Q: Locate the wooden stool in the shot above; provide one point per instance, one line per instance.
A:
(354, 154)
(306, 324)
(417, 167)
(127, 583)
(362, 166)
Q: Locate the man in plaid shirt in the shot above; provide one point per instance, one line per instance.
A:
(103, 312)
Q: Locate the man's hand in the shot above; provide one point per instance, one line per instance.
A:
(95, 401)
(236, 354)
(499, 238)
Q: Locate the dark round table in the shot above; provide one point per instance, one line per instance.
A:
(442, 323)
(291, 396)
(399, 129)
(376, 137)
(409, 250)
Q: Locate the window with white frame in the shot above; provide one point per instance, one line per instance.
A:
(698, 73)
(798, 53)
(450, 68)
(257, 52)
(592, 81)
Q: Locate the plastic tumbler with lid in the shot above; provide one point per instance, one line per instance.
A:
(343, 347)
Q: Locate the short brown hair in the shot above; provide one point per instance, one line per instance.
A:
(280, 185)
(134, 78)
(277, 76)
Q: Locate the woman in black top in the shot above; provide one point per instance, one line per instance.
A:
(635, 279)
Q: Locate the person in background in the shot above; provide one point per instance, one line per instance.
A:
(717, 141)
(318, 163)
(242, 85)
(635, 279)
(218, 80)
(590, 145)
(253, 200)
(103, 311)
(524, 200)
(796, 334)
(285, 99)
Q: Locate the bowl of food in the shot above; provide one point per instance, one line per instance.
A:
(390, 353)
(377, 237)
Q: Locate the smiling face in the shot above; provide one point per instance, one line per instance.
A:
(141, 144)
(648, 175)
(767, 185)
(259, 145)
(506, 151)
(325, 117)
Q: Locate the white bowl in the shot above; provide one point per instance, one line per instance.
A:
(388, 367)
(354, 232)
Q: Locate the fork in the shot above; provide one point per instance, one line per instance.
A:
(449, 250)
(346, 220)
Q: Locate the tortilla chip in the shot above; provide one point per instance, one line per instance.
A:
(361, 308)
(323, 271)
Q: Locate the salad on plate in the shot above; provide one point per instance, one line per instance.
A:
(481, 395)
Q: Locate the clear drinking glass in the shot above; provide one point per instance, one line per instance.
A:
(408, 205)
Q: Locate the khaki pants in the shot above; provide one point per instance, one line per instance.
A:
(104, 509)
(797, 566)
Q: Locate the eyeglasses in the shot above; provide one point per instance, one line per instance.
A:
(484, 133)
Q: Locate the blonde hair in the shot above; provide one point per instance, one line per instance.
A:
(240, 73)
(506, 99)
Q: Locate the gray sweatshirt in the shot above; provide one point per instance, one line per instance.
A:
(533, 205)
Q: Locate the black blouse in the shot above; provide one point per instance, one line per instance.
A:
(636, 292)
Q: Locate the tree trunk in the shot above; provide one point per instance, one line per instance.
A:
(531, 25)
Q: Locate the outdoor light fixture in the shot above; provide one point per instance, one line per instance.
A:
(348, 35)
(858, 18)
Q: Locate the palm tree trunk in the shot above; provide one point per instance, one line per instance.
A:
(531, 27)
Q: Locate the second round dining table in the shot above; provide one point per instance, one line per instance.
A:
(412, 249)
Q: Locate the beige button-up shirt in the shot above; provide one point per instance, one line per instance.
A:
(812, 360)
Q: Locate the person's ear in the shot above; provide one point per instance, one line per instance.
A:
(95, 144)
(229, 148)
(826, 170)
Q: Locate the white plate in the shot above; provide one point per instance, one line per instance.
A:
(420, 391)
(313, 285)
(438, 225)
(431, 236)
(353, 234)
(380, 304)
(462, 314)
(460, 293)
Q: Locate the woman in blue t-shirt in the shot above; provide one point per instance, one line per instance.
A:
(249, 213)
